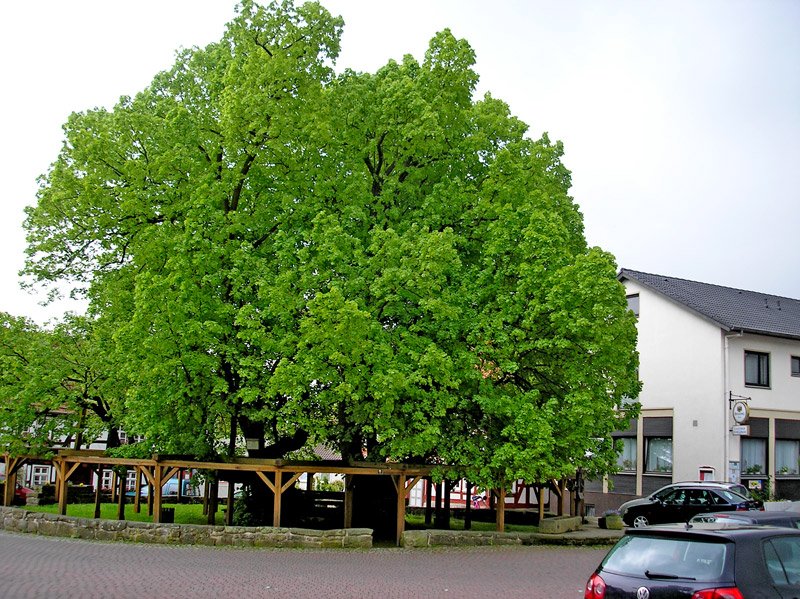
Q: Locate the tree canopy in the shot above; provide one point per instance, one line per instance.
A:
(371, 261)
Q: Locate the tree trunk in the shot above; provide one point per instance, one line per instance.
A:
(97, 493)
(121, 498)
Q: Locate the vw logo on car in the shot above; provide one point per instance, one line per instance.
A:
(642, 593)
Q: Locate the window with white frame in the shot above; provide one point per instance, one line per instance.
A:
(40, 475)
(627, 457)
(658, 454)
(756, 369)
(787, 453)
(106, 480)
(754, 456)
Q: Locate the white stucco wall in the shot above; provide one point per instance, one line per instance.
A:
(682, 369)
(784, 389)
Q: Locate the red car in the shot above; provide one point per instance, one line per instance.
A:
(20, 493)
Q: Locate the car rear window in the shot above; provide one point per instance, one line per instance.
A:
(657, 557)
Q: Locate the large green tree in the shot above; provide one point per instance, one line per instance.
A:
(372, 261)
(58, 386)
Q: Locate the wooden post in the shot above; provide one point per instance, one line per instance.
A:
(428, 500)
(403, 486)
(276, 504)
(348, 501)
(156, 489)
(114, 483)
(137, 491)
(501, 509)
(400, 484)
(206, 494)
(180, 486)
(61, 483)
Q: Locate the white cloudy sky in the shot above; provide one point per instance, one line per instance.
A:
(680, 119)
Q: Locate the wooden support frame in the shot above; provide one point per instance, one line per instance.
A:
(157, 470)
(278, 488)
(403, 488)
(63, 472)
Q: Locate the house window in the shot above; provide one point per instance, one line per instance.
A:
(41, 476)
(633, 304)
(795, 366)
(658, 457)
(786, 456)
(756, 369)
(754, 456)
(626, 460)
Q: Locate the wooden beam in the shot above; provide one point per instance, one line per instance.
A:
(170, 472)
(291, 481)
(266, 480)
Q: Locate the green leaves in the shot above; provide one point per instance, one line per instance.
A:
(363, 260)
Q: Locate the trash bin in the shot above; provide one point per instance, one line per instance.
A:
(167, 515)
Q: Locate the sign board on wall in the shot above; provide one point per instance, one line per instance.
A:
(733, 471)
(741, 429)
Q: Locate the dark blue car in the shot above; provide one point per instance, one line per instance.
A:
(702, 561)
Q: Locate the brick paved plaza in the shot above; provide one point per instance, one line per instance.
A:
(33, 567)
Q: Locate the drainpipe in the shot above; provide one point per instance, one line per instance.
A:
(726, 381)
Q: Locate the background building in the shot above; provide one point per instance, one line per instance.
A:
(720, 369)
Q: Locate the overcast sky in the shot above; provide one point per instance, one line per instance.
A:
(680, 119)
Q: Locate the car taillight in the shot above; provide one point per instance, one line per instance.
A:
(595, 588)
(726, 593)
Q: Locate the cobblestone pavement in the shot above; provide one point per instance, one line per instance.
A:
(34, 567)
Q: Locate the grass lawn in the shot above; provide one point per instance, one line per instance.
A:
(192, 513)
(418, 521)
(185, 513)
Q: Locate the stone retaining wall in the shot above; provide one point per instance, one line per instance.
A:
(21, 520)
(459, 538)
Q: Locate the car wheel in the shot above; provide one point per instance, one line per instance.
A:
(640, 522)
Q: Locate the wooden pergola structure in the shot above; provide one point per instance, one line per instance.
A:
(277, 475)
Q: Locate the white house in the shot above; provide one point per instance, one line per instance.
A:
(720, 369)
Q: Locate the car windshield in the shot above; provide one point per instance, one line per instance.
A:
(660, 557)
(730, 496)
